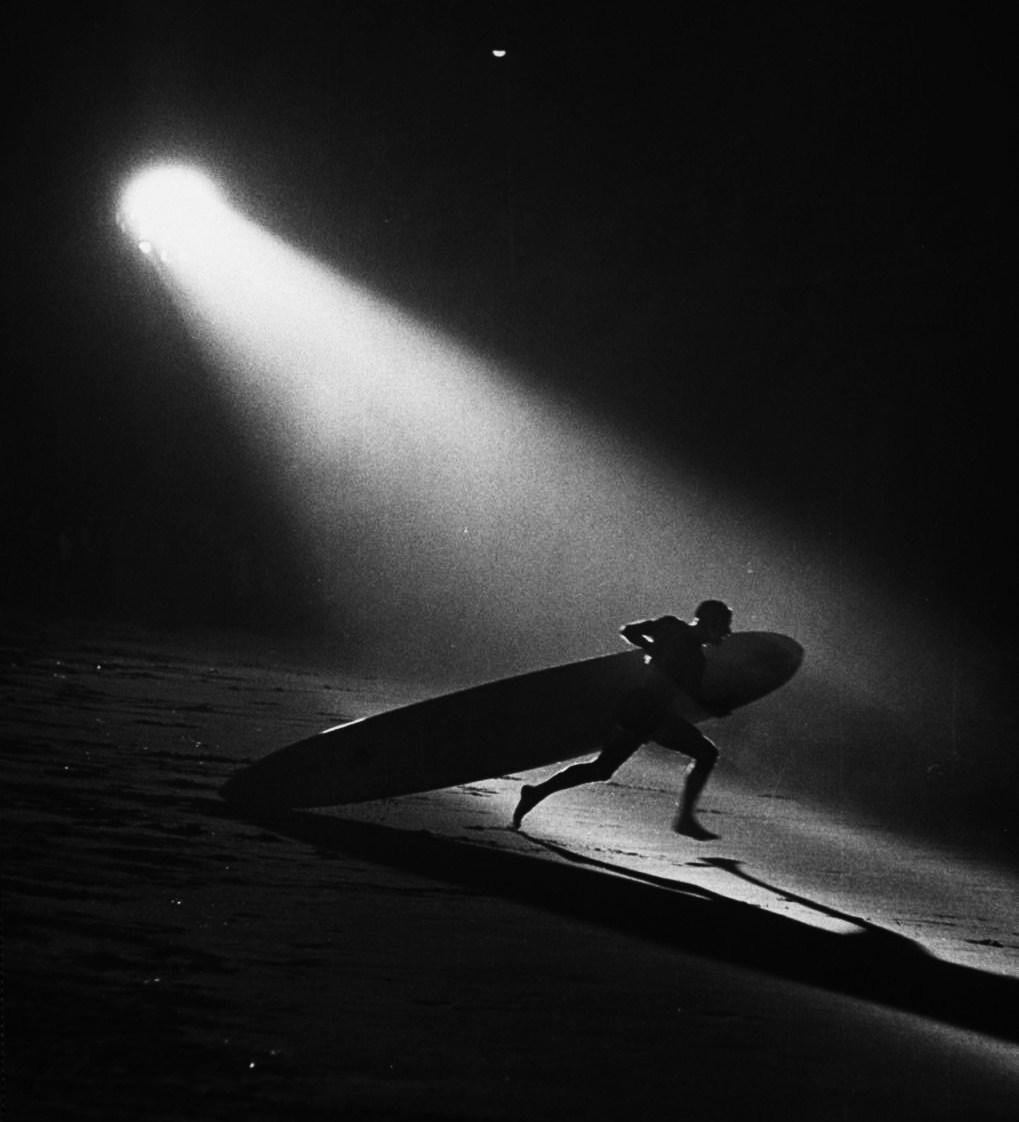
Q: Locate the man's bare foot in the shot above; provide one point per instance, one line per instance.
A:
(528, 801)
(691, 828)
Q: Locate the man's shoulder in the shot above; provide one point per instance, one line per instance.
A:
(670, 622)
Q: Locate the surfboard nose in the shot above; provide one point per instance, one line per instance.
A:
(778, 658)
(749, 665)
(788, 651)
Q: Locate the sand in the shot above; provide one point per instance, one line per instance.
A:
(168, 958)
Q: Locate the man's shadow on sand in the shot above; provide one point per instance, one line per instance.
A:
(870, 963)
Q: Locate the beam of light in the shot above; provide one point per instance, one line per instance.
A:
(453, 511)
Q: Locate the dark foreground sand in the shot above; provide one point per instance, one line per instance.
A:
(166, 958)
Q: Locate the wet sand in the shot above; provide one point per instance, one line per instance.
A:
(169, 958)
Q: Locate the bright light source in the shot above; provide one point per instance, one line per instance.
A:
(169, 204)
(499, 54)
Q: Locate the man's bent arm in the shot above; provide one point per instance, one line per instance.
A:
(637, 634)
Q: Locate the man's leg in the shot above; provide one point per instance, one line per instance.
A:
(619, 747)
(681, 736)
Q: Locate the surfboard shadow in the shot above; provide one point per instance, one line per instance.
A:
(889, 938)
(870, 963)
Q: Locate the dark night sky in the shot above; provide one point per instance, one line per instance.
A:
(766, 241)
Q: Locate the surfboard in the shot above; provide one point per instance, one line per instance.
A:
(509, 725)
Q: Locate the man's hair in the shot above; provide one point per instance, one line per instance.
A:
(713, 610)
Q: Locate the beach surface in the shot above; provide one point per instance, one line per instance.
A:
(167, 957)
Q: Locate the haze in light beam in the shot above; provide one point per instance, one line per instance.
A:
(453, 509)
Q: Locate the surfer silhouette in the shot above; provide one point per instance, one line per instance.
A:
(675, 665)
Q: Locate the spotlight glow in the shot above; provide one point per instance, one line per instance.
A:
(448, 505)
(170, 204)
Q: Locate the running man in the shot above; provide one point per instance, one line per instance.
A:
(675, 665)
